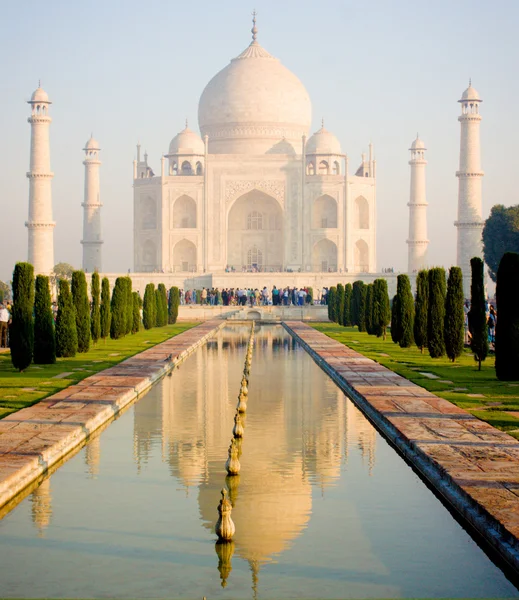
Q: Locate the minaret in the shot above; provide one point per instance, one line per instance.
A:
(40, 223)
(92, 209)
(417, 242)
(470, 222)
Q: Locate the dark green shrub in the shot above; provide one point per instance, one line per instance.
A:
(162, 304)
(128, 304)
(332, 304)
(136, 312)
(477, 316)
(356, 298)
(381, 310)
(95, 313)
(453, 328)
(21, 331)
(405, 307)
(149, 307)
(362, 307)
(436, 314)
(105, 312)
(44, 335)
(339, 304)
(348, 292)
(421, 310)
(395, 328)
(173, 304)
(369, 309)
(507, 324)
(66, 330)
(82, 306)
(118, 309)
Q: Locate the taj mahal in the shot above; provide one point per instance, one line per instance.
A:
(255, 193)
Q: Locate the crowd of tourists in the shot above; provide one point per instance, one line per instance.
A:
(288, 296)
(491, 315)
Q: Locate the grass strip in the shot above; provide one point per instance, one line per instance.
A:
(19, 390)
(478, 392)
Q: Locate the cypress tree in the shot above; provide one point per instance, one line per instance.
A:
(369, 309)
(332, 303)
(477, 314)
(149, 307)
(361, 315)
(381, 310)
(436, 313)
(348, 292)
(136, 312)
(339, 304)
(453, 332)
(105, 312)
(129, 305)
(173, 304)
(163, 301)
(44, 335)
(405, 307)
(356, 301)
(95, 314)
(395, 329)
(421, 310)
(66, 330)
(507, 324)
(118, 309)
(21, 331)
(82, 306)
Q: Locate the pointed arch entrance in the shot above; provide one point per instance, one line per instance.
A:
(255, 233)
(184, 257)
(324, 257)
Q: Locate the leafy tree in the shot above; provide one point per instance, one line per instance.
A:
(118, 309)
(421, 310)
(348, 292)
(62, 271)
(436, 314)
(395, 328)
(149, 307)
(332, 304)
(5, 292)
(507, 325)
(173, 304)
(356, 301)
(44, 335)
(381, 310)
(162, 306)
(95, 315)
(477, 316)
(369, 309)
(82, 306)
(21, 332)
(136, 312)
(361, 315)
(405, 311)
(500, 235)
(66, 330)
(339, 304)
(453, 329)
(105, 312)
(128, 305)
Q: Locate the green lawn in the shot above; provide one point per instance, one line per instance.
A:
(18, 390)
(456, 382)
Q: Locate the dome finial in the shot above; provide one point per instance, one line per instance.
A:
(254, 29)
(39, 82)
(322, 122)
(470, 81)
(187, 125)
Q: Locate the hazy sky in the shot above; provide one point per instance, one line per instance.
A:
(376, 70)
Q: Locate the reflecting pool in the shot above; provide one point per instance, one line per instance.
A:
(323, 506)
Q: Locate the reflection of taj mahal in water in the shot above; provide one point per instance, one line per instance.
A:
(253, 192)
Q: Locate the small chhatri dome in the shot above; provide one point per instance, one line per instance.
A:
(323, 142)
(92, 144)
(418, 144)
(40, 95)
(470, 94)
(187, 142)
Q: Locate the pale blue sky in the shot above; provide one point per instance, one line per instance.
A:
(375, 70)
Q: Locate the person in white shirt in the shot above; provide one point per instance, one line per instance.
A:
(5, 317)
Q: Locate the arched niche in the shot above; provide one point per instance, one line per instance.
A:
(361, 256)
(149, 254)
(324, 212)
(361, 213)
(187, 168)
(184, 257)
(255, 219)
(148, 213)
(184, 213)
(324, 257)
(324, 168)
(310, 168)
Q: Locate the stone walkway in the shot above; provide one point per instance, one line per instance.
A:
(35, 438)
(472, 464)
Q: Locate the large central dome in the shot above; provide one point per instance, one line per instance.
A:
(255, 105)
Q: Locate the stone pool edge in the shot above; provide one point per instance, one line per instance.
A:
(474, 512)
(34, 439)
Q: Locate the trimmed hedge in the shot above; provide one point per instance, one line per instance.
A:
(149, 307)
(21, 331)
(507, 324)
(332, 304)
(339, 304)
(436, 313)
(82, 306)
(381, 311)
(95, 314)
(118, 309)
(44, 335)
(405, 308)
(421, 310)
(173, 304)
(348, 292)
(105, 312)
(477, 316)
(66, 330)
(453, 328)
(136, 312)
